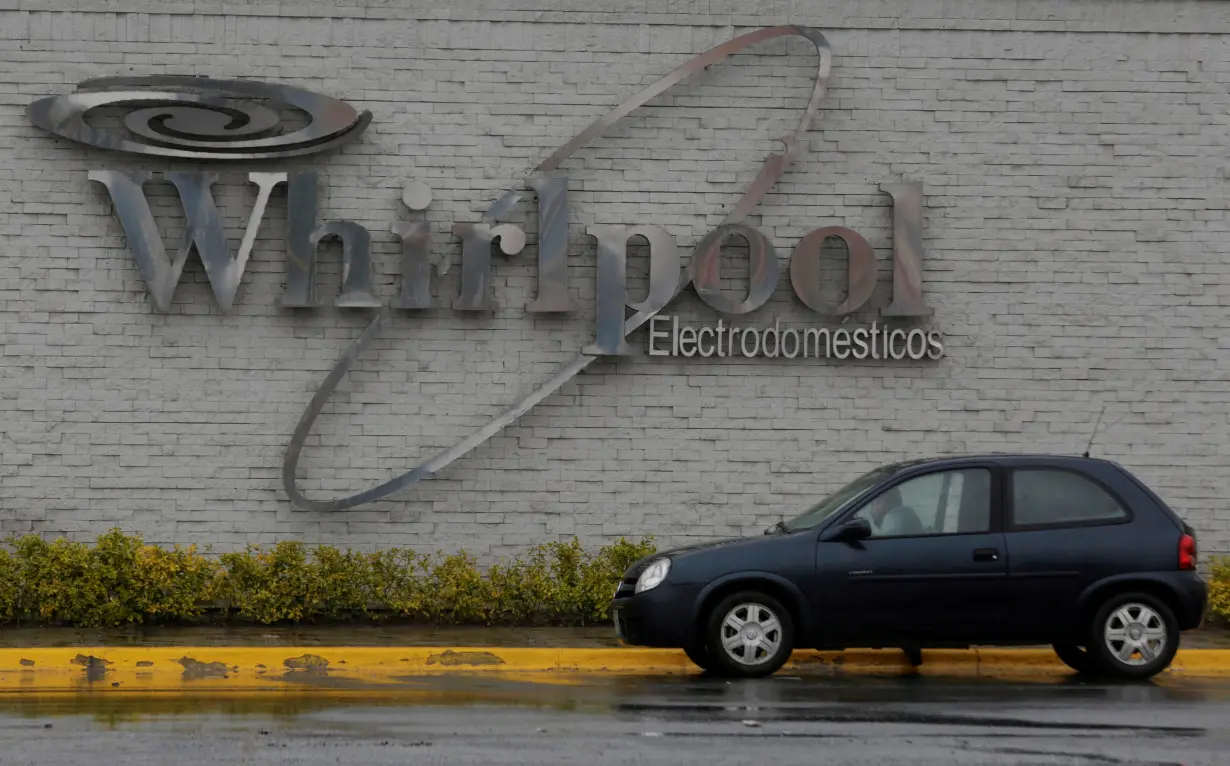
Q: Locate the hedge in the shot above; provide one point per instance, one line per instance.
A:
(1219, 590)
(120, 580)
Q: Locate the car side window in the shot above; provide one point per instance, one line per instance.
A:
(953, 502)
(1052, 497)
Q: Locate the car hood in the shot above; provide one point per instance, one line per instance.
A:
(727, 546)
(705, 546)
(710, 545)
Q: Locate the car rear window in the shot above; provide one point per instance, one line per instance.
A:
(1054, 497)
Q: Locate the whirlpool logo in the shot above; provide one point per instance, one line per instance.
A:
(229, 121)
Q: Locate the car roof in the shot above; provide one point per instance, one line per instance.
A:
(1001, 458)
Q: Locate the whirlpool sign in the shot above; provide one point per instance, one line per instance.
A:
(228, 121)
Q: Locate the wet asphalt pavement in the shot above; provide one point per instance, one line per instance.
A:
(476, 720)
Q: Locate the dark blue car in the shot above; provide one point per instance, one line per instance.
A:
(1073, 552)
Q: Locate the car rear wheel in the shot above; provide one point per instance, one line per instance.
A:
(1134, 636)
(1076, 657)
(749, 635)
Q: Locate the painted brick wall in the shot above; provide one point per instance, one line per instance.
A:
(1076, 234)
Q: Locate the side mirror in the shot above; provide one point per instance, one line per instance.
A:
(852, 530)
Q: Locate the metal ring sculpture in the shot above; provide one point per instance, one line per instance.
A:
(774, 166)
(198, 118)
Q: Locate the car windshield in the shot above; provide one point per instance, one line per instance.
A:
(829, 505)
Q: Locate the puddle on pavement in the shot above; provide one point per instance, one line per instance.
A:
(325, 635)
(560, 694)
(783, 698)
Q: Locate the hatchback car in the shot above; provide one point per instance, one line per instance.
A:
(1073, 552)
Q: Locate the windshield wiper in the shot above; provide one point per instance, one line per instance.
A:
(779, 527)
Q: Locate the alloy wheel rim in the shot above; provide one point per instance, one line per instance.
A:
(1135, 634)
(751, 634)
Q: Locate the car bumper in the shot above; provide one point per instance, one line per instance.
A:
(661, 617)
(1193, 595)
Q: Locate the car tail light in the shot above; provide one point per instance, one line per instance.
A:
(1187, 552)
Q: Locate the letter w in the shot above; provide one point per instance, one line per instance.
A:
(202, 230)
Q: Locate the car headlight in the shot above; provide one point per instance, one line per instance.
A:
(653, 575)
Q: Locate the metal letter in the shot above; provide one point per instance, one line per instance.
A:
(476, 240)
(202, 231)
(356, 263)
(612, 289)
(860, 268)
(908, 298)
(817, 333)
(300, 248)
(612, 285)
(552, 244)
(892, 344)
(654, 334)
(700, 339)
(417, 260)
(416, 266)
(303, 237)
(763, 272)
(211, 124)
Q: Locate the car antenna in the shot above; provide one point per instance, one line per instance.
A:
(1095, 430)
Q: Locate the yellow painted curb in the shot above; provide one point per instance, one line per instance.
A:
(346, 668)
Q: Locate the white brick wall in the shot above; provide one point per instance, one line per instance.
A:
(1076, 234)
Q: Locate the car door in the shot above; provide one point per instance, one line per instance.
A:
(1065, 530)
(939, 576)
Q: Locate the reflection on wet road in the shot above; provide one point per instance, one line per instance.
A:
(479, 720)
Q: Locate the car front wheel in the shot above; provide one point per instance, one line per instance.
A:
(1134, 636)
(1075, 657)
(749, 635)
(698, 653)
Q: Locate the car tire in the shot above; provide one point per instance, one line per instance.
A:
(1133, 636)
(748, 634)
(698, 653)
(1076, 657)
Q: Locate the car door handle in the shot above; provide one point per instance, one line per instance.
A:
(986, 554)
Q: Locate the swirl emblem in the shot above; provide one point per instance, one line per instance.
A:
(198, 118)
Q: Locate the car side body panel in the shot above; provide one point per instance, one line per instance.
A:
(1053, 571)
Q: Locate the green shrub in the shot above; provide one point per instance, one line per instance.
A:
(346, 583)
(520, 590)
(286, 585)
(398, 583)
(10, 583)
(53, 583)
(457, 592)
(120, 580)
(1219, 589)
(172, 585)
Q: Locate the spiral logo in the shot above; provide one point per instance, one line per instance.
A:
(198, 118)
